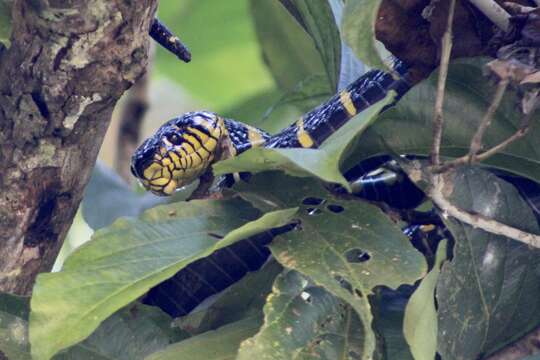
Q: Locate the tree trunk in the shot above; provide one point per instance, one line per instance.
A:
(68, 64)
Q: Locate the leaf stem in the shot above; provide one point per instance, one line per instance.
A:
(476, 142)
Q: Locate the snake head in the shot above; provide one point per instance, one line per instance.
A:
(179, 152)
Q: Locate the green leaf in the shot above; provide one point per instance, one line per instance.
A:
(420, 322)
(317, 19)
(323, 163)
(5, 21)
(303, 321)
(125, 260)
(13, 327)
(489, 294)
(348, 247)
(358, 30)
(130, 334)
(289, 51)
(407, 127)
(251, 291)
(220, 344)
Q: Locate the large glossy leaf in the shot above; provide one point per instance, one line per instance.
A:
(420, 322)
(303, 321)
(323, 163)
(348, 247)
(317, 19)
(358, 30)
(289, 51)
(489, 294)
(407, 127)
(14, 327)
(123, 261)
(130, 334)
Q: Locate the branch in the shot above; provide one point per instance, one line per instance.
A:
(494, 12)
(467, 159)
(438, 121)
(476, 142)
(60, 80)
(477, 220)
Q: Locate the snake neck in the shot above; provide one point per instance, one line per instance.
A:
(239, 137)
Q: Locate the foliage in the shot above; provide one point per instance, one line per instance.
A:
(344, 280)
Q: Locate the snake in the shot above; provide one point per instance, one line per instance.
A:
(184, 148)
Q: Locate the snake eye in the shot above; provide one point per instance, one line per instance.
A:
(174, 139)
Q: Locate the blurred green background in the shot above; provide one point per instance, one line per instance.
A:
(227, 68)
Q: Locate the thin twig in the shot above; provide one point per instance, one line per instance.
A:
(494, 12)
(438, 121)
(521, 132)
(477, 220)
(476, 142)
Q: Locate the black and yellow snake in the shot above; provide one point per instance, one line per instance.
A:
(184, 148)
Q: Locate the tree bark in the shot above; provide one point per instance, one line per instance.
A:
(133, 111)
(68, 64)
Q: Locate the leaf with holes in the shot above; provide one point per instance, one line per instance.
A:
(323, 163)
(304, 321)
(358, 29)
(348, 247)
(126, 259)
(407, 127)
(489, 294)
